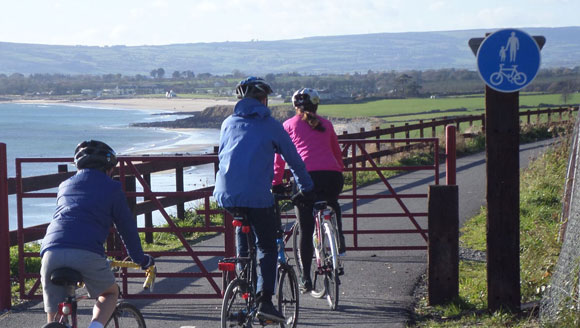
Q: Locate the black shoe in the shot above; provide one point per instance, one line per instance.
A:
(305, 285)
(341, 246)
(267, 311)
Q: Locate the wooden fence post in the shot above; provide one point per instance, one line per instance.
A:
(528, 114)
(216, 165)
(421, 134)
(62, 168)
(364, 146)
(179, 187)
(148, 215)
(443, 221)
(450, 152)
(378, 144)
(5, 290)
(433, 129)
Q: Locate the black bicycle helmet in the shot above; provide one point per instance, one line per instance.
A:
(93, 154)
(307, 98)
(253, 87)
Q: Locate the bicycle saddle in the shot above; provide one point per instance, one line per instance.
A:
(320, 205)
(237, 211)
(66, 277)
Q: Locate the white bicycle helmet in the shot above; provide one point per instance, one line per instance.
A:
(306, 97)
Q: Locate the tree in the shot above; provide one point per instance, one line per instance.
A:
(160, 73)
(188, 74)
(413, 88)
(403, 80)
(270, 77)
(176, 75)
(153, 73)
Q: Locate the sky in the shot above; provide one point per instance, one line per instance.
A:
(163, 22)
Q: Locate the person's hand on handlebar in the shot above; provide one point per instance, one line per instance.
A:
(282, 189)
(147, 262)
(279, 189)
(304, 197)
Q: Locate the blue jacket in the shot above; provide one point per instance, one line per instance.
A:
(249, 138)
(88, 204)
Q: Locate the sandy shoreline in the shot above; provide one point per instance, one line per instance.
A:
(156, 104)
(171, 104)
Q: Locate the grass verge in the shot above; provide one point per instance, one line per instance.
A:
(541, 189)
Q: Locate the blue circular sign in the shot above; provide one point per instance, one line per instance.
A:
(508, 60)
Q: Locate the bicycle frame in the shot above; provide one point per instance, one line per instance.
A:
(67, 310)
(242, 282)
(247, 273)
(321, 214)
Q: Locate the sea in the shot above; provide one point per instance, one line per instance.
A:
(54, 130)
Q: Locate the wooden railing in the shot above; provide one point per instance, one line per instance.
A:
(552, 116)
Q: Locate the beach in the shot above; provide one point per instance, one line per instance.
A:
(174, 105)
(165, 104)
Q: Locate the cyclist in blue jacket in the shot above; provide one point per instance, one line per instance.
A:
(249, 139)
(88, 204)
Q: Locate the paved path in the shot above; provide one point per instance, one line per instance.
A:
(377, 289)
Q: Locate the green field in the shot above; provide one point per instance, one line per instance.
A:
(421, 108)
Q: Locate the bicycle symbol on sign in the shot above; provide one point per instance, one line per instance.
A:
(511, 73)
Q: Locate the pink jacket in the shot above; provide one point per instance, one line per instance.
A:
(319, 150)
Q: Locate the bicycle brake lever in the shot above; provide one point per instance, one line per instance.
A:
(151, 274)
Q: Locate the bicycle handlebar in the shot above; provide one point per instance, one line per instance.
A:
(150, 272)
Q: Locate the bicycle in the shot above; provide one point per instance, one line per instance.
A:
(326, 264)
(511, 73)
(125, 314)
(239, 308)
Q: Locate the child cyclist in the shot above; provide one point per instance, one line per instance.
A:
(317, 144)
(88, 204)
(249, 138)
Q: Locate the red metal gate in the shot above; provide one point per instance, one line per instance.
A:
(200, 264)
(382, 212)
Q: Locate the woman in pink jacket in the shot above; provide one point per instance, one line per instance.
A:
(317, 144)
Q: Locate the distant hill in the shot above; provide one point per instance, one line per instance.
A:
(313, 55)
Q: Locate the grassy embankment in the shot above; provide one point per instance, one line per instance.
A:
(541, 189)
(166, 241)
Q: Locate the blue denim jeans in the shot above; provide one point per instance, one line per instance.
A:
(263, 224)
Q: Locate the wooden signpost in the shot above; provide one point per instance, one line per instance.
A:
(508, 60)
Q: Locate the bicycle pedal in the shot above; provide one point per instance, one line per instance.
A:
(266, 322)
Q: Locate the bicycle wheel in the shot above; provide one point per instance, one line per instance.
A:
(54, 325)
(520, 78)
(126, 315)
(496, 78)
(331, 280)
(227, 277)
(296, 246)
(317, 268)
(288, 299)
(236, 306)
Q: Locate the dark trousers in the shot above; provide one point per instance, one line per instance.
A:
(263, 224)
(327, 186)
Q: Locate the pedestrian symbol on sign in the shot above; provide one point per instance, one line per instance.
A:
(508, 60)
